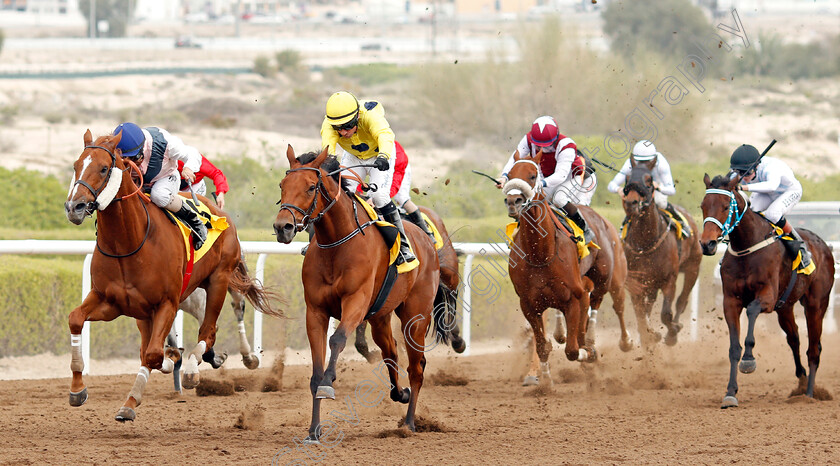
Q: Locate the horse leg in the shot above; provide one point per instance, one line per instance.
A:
(543, 347)
(380, 328)
(732, 314)
(815, 307)
(91, 309)
(206, 333)
(642, 310)
(787, 321)
(172, 351)
(316, 332)
(532, 377)
(451, 299)
(689, 281)
(249, 358)
(617, 294)
(362, 344)
(559, 327)
(352, 310)
(669, 290)
(574, 332)
(416, 332)
(135, 396)
(747, 364)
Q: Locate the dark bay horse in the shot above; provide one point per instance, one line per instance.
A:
(756, 274)
(546, 272)
(343, 273)
(447, 297)
(138, 269)
(655, 257)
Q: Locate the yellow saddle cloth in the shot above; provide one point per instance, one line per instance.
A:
(676, 224)
(797, 261)
(392, 239)
(512, 229)
(215, 226)
(434, 230)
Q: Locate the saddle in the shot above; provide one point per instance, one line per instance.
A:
(564, 226)
(679, 225)
(215, 226)
(392, 238)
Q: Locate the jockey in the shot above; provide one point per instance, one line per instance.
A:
(775, 190)
(155, 152)
(401, 191)
(566, 180)
(209, 170)
(663, 183)
(361, 134)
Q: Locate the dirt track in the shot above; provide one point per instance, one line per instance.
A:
(655, 409)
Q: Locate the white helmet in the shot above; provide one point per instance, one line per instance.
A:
(644, 150)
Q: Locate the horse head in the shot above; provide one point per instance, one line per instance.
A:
(721, 210)
(524, 183)
(300, 190)
(638, 190)
(97, 177)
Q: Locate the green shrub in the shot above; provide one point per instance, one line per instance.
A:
(287, 60)
(33, 200)
(370, 74)
(262, 66)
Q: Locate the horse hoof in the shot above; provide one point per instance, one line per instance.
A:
(459, 345)
(625, 345)
(79, 398)
(191, 381)
(530, 381)
(560, 338)
(671, 339)
(251, 361)
(325, 392)
(729, 402)
(592, 355)
(311, 440)
(401, 396)
(657, 337)
(747, 366)
(125, 414)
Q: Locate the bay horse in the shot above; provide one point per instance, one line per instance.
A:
(446, 299)
(138, 269)
(756, 274)
(343, 273)
(656, 256)
(546, 271)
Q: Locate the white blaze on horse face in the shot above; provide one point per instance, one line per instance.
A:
(73, 185)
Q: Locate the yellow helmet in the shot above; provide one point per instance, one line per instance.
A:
(342, 107)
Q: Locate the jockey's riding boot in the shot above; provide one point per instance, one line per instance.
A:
(193, 221)
(587, 232)
(390, 214)
(799, 245)
(677, 218)
(417, 219)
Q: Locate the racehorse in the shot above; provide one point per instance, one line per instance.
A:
(656, 256)
(546, 271)
(194, 305)
(447, 291)
(756, 274)
(343, 275)
(138, 269)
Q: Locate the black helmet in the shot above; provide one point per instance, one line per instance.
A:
(744, 158)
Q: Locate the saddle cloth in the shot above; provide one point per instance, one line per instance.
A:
(392, 239)
(676, 225)
(215, 226)
(572, 230)
(797, 261)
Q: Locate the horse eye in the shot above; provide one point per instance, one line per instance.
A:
(312, 188)
(104, 170)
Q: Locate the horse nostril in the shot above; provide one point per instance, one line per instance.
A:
(80, 206)
(288, 227)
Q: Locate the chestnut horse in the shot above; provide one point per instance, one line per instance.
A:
(756, 275)
(138, 269)
(656, 256)
(343, 273)
(546, 271)
(447, 297)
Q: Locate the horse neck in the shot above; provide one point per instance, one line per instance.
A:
(536, 231)
(122, 225)
(751, 230)
(339, 221)
(646, 228)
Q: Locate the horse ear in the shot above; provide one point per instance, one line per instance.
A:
(707, 180)
(516, 156)
(538, 158)
(632, 161)
(321, 157)
(88, 138)
(733, 182)
(290, 154)
(117, 138)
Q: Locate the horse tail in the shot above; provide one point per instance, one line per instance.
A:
(252, 289)
(444, 319)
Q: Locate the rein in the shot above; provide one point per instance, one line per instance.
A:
(656, 245)
(728, 226)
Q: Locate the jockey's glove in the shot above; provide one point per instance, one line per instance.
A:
(381, 163)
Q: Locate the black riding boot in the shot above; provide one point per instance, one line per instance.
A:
(578, 219)
(417, 219)
(193, 221)
(390, 214)
(799, 245)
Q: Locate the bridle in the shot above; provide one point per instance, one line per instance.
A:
(92, 206)
(530, 202)
(733, 217)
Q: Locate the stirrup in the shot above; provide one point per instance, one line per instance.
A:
(404, 256)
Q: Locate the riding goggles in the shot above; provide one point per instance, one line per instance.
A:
(347, 126)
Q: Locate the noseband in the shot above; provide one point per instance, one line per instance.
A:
(531, 193)
(320, 189)
(93, 205)
(729, 225)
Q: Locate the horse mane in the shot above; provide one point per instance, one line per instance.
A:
(330, 165)
(720, 182)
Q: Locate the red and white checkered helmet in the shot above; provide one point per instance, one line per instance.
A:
(543, 132)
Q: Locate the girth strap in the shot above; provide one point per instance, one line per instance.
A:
(788, 290)
(384, 292)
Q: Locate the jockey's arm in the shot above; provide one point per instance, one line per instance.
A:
(177, 150)
(665, 181)
(329, 136)
(379, 128)
(620, 178)
(211, 171)
(565, 157)
(771, 184)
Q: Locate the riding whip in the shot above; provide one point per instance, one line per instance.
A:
(604, 165)
(486, 175)
(192, 192)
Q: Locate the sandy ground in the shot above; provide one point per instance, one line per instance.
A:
(659, 408)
